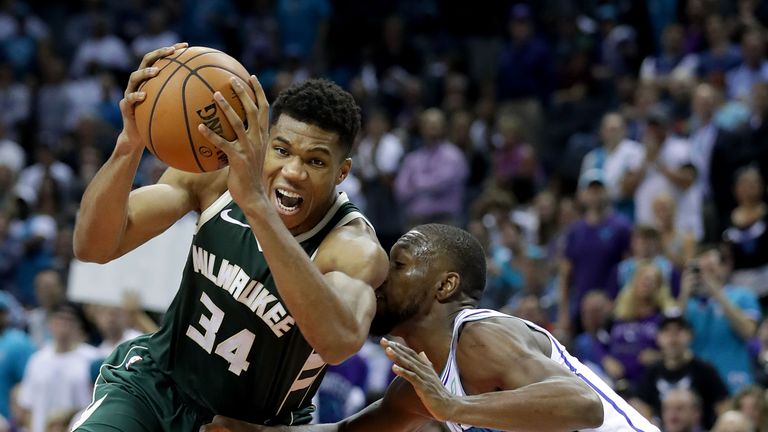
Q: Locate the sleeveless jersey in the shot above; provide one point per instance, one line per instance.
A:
(618, 414)
(227, 340)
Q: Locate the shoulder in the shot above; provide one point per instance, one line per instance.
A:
(352, 245)
(487, 347)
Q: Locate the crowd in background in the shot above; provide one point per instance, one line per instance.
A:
(610, 155)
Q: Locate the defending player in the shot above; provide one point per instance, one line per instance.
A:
(279, 278)
(497, 372)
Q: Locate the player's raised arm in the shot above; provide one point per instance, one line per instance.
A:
(534, 393)
(284, 180)
(112, 219)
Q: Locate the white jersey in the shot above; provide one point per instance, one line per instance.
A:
(618, 414)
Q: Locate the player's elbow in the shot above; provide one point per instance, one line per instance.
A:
(335, 350)
(87, 253)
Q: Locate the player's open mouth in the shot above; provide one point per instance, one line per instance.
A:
(288, 203)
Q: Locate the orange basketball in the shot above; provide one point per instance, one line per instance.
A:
(180, 97)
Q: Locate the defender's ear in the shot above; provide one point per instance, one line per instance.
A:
(449, 286)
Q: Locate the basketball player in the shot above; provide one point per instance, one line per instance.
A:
(497, 372)
(279, 279)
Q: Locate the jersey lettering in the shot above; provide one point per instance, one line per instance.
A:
(252, 293)
(234, 349)
(209, 324)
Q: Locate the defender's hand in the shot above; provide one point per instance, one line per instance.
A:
(129, 139)
(418, 370)
(246, 152)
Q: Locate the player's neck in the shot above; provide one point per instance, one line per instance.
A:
(314, 219)
(432, 334)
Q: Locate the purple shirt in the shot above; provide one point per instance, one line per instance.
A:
(431, 181)
(629, 339)
(595, 252)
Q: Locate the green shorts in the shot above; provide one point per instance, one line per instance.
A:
(131, 394)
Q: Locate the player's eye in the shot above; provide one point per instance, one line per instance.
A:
(317, 163)
(281, 151)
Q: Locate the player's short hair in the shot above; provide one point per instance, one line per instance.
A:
(464, 253)
(324, 104)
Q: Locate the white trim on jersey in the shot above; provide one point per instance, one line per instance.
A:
(90, 409)
(213, 209)
(619, 416)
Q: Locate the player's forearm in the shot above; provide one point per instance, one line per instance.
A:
(332, 324)
(103, 211)
(530, 408)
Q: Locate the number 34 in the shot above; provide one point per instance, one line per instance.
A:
(234, 349)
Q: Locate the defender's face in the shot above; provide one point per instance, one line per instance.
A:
(302, 166)
(405, 293)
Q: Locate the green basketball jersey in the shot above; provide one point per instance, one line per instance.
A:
(227, 340)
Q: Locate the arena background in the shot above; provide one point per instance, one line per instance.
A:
(517, 121)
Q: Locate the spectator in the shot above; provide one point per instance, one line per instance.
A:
(747, 234)
(721, 55)
(702, 136)
(15, 350)
(377, 161)
(430, 184)
(733, 421)
(113, 325)
(615, 158)
(11, 251)
(156, 35)
(724, 317)
(515, 167)
(657, 70)
(12, 155)
(16, 100)
(525, 73)
(49, 292)
(732, 151)
(639, 309)
(53, 102)
(751, 402)
(303, 27)
(681, 411)
(57, 377)
(103, 50)
(46, 164)
(505, 275)
(645, 247)
(753, 67)
(528, 307)
(8, 196)
(536, 282)
(679, 368)
(37, 234)
(592, 344)
(678, 247)
(667, 168)
(594, 246)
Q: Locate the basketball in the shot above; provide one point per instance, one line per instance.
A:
(180, 97)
